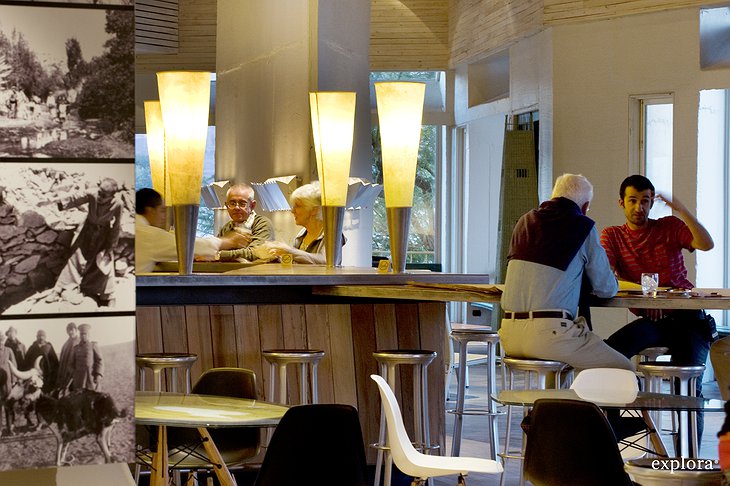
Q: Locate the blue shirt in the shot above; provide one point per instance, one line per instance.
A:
(532, 286)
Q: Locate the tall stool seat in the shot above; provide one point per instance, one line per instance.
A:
(305, 359)
(464, 337)
(157, 362)
(536, 373)
(682, 381)
(387, 361)
(652, 353)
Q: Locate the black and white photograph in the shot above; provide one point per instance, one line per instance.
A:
(66, 82)
(67, 391)
(66, 238)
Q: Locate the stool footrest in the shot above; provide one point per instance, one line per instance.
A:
(512, 455)
(476, 412)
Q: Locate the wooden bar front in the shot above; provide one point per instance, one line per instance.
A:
(349, 330)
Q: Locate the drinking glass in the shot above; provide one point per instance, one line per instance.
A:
(649, 284)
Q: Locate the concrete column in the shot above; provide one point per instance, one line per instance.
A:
(270, 54)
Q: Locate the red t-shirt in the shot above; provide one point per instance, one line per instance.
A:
(654, 248)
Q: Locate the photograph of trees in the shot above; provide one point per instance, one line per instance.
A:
(66, 82)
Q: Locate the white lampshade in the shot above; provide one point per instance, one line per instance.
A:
(156, 147)
(400, 110)
(333, 122)
(185, 101)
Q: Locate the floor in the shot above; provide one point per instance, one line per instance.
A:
(474, 442)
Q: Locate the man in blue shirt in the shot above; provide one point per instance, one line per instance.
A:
(555, 248)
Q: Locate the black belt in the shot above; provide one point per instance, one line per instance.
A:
(538, 315)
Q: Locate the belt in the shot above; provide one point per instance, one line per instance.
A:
(538, 315)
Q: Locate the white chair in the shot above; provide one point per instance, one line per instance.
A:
(619, 386)
(413, 463)
(606, 385)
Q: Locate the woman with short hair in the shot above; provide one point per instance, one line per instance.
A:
(308, 245)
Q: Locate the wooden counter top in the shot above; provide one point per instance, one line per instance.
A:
(704, 298)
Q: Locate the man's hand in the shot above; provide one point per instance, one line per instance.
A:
(97, 383)
(674, 203)
(234, 239)
(270, 250)
(701, 239)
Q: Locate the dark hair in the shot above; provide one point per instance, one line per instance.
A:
(638, 182)
(147, 198)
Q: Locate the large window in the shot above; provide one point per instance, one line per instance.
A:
(713, 194)
(423, 235)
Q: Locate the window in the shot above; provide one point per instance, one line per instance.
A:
(423, 235)
(651, 139)
(713, 200)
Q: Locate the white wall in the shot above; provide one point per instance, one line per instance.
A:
(597, 66)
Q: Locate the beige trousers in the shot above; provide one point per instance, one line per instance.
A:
(560, 339)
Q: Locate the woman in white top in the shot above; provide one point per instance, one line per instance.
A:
(308, 245)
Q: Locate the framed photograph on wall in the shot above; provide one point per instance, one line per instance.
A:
(68, 384)
(66, 81)
(66, 238)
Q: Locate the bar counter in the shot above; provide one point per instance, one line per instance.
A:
(228, 318)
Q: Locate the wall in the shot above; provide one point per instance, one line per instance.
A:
(597, 66)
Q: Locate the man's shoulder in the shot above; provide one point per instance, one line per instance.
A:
(670, 221)
(610, 233)
(260, 219)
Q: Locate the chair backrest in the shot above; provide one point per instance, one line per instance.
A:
(316, 444)
(234, 444)
(571, 443)
(403, 453)
(229, 382)
(606, 385)
(720, 359)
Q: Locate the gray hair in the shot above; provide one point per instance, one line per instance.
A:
(242, 186)
(308, 195)
(574, 187)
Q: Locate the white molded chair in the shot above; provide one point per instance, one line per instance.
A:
(614, 385)
(412, 462)
(606, 385)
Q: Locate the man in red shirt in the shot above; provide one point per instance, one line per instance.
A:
(655, 245)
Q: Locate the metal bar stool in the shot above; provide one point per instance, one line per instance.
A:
(158, 362)
(491, 338)
(651, 354)
(387, 361)
(304, 359)
(686, 376)
(539, 369)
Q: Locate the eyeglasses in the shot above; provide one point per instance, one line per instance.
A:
(237, 204)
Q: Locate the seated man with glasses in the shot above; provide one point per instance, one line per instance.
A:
(254, 227)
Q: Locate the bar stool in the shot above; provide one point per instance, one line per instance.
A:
(686, 376)
(305, 359)
(491, 338)
(387, 361)
(651, 354)
(158, 362)
(539, 369)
